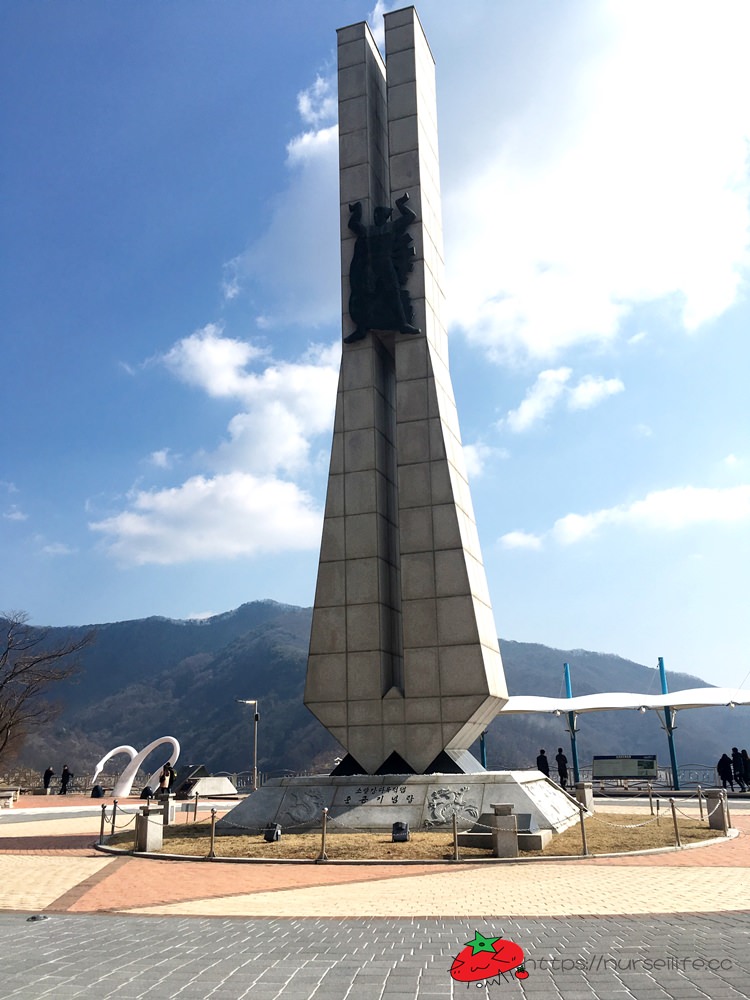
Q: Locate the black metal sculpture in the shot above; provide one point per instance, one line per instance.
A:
(380, 266)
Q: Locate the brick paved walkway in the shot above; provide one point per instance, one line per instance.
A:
(136, 928)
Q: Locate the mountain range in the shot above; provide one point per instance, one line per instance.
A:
(152, 677)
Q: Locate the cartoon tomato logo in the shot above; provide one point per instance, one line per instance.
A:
(485, 958)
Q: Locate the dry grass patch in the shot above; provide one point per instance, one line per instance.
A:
(616, 834)
(605, 834)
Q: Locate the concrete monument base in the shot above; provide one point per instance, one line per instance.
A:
(424, 801)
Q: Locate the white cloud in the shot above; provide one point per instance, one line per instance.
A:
(318, 104)
(540, 399)
(619, 178)
(479, 455)
(53, 549)
(293, 267)
(246, 507)
(211, 361)
(663, 510)
(592, 389)
(673, 509)
(551, 387)
(14, 513)
(161, 459)
(521, 540)
(227, 517)
(285, 405)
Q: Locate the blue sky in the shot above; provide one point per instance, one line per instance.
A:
(170, 310)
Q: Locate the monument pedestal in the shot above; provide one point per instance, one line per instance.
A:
(424, 801)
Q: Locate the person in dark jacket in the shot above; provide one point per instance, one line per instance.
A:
(746, 766)
(562, 767)
(724, 770)
(48, 775)
(738, 768)
(542, 763)
(65, 777)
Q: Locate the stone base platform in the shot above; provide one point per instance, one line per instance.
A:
(424, 801)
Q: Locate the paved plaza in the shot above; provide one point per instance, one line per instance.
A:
(673, 925)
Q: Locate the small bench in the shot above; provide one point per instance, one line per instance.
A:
(7, 798)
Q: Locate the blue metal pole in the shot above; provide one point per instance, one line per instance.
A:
(669, 726)
(483, 750)
(572, 725)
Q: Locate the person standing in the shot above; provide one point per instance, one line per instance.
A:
(65, 780)
(724, 770)
(738, 768)
(562, 768)
(48, 775)
(745, 766)
(542, 763)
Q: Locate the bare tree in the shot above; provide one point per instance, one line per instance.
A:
(29, 666)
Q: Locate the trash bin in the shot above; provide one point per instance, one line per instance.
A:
(400, 833)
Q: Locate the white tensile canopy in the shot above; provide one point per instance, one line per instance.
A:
(704, 697)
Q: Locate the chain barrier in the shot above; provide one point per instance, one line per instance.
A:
(719, 804)
(687, 815)
(626, 826)
(113, 825)
(124, 826)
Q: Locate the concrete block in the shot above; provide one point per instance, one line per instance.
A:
(362, 581)
(536, 841)
(419, 622)
(584, 793)
(715, 806)
(328, 633)
(417, 575)
(451, 576)
(361, 492)
(332, 543)
(149, 829)
(363, 678)
(326, 676)
(331, 590)
(363, 627)
(361, 536)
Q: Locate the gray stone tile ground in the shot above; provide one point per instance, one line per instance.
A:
(194, 958)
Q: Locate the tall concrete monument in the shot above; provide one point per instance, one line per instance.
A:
(404, 667)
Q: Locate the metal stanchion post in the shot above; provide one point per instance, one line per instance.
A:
(456, 856)
(658, 806)
(727, 816)
(101, 828)
(114, 813)
(195, 809)
(651, 798)
(324, 822)
(212, 851)
(678, 842)
(582, 811)
(700, 801)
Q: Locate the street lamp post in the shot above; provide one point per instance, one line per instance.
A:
(256, 718)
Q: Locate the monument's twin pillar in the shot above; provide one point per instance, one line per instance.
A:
(404, 667)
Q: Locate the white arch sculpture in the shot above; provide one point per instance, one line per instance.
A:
(125, 748)
(124, 783)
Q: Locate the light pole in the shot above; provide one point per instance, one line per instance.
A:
(256, 717)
